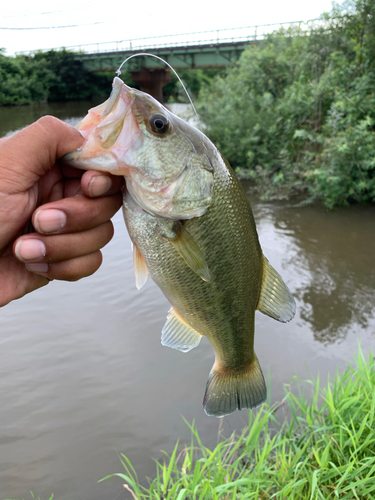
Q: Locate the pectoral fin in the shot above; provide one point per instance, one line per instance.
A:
(140, 268)
(185, 245)
(178, 334)
(275, 299)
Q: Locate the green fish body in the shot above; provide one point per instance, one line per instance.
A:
(193, 231)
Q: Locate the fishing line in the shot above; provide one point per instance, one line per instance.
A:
(118, 72)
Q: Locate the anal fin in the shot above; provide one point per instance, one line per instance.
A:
(177, 334)
(140, 267)
(275, 299)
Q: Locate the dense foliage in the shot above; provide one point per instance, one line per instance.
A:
(52, 75)
(298, 112)
(193, 79)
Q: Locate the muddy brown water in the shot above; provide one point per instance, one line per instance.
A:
(84, 378)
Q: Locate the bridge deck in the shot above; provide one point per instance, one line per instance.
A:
(205, 49)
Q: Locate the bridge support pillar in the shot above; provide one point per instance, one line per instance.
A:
(152, 81)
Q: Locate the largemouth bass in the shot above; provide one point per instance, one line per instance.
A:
(193, 231)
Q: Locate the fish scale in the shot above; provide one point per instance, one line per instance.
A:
(222, 309)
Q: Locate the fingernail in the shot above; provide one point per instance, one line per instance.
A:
(37, 267)
(99, 185)
(49, 221)
(31, 249)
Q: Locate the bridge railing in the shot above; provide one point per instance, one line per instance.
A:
(228, 35)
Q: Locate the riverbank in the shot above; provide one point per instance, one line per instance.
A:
(324, 449)
(315, 447)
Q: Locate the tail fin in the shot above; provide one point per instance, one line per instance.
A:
(228, 391)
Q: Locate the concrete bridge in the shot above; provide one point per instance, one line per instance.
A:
(205, 49)
(152, 74)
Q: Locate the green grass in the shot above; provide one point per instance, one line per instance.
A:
(33, 497)
(324, 450)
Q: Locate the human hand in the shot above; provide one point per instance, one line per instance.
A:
(70, 223)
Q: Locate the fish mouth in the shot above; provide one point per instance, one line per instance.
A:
(101, 129)
(117, 84)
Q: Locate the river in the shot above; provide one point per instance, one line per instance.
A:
(84, 378)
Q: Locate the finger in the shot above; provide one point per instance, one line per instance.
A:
(98, 184)
(72, 187)
(70, 172)
(93, 184)
(62, 247)
(69, 270)
(51, 186)
(30, 153)
(75, 214)
(16, 281)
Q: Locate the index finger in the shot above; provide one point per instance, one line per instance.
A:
(75, 214)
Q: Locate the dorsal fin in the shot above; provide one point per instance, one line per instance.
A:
(177, 334)
(275, 299)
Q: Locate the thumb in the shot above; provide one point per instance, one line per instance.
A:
(30, 153)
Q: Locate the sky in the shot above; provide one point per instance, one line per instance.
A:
(73, 22)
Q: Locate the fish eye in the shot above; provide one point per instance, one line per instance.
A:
(159, 123)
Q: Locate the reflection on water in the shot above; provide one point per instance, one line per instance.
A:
(83, 376)
(13, 118)
(333, 252)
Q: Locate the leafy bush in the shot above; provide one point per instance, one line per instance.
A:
(52, 75)
(298, 114)
(193, 79)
